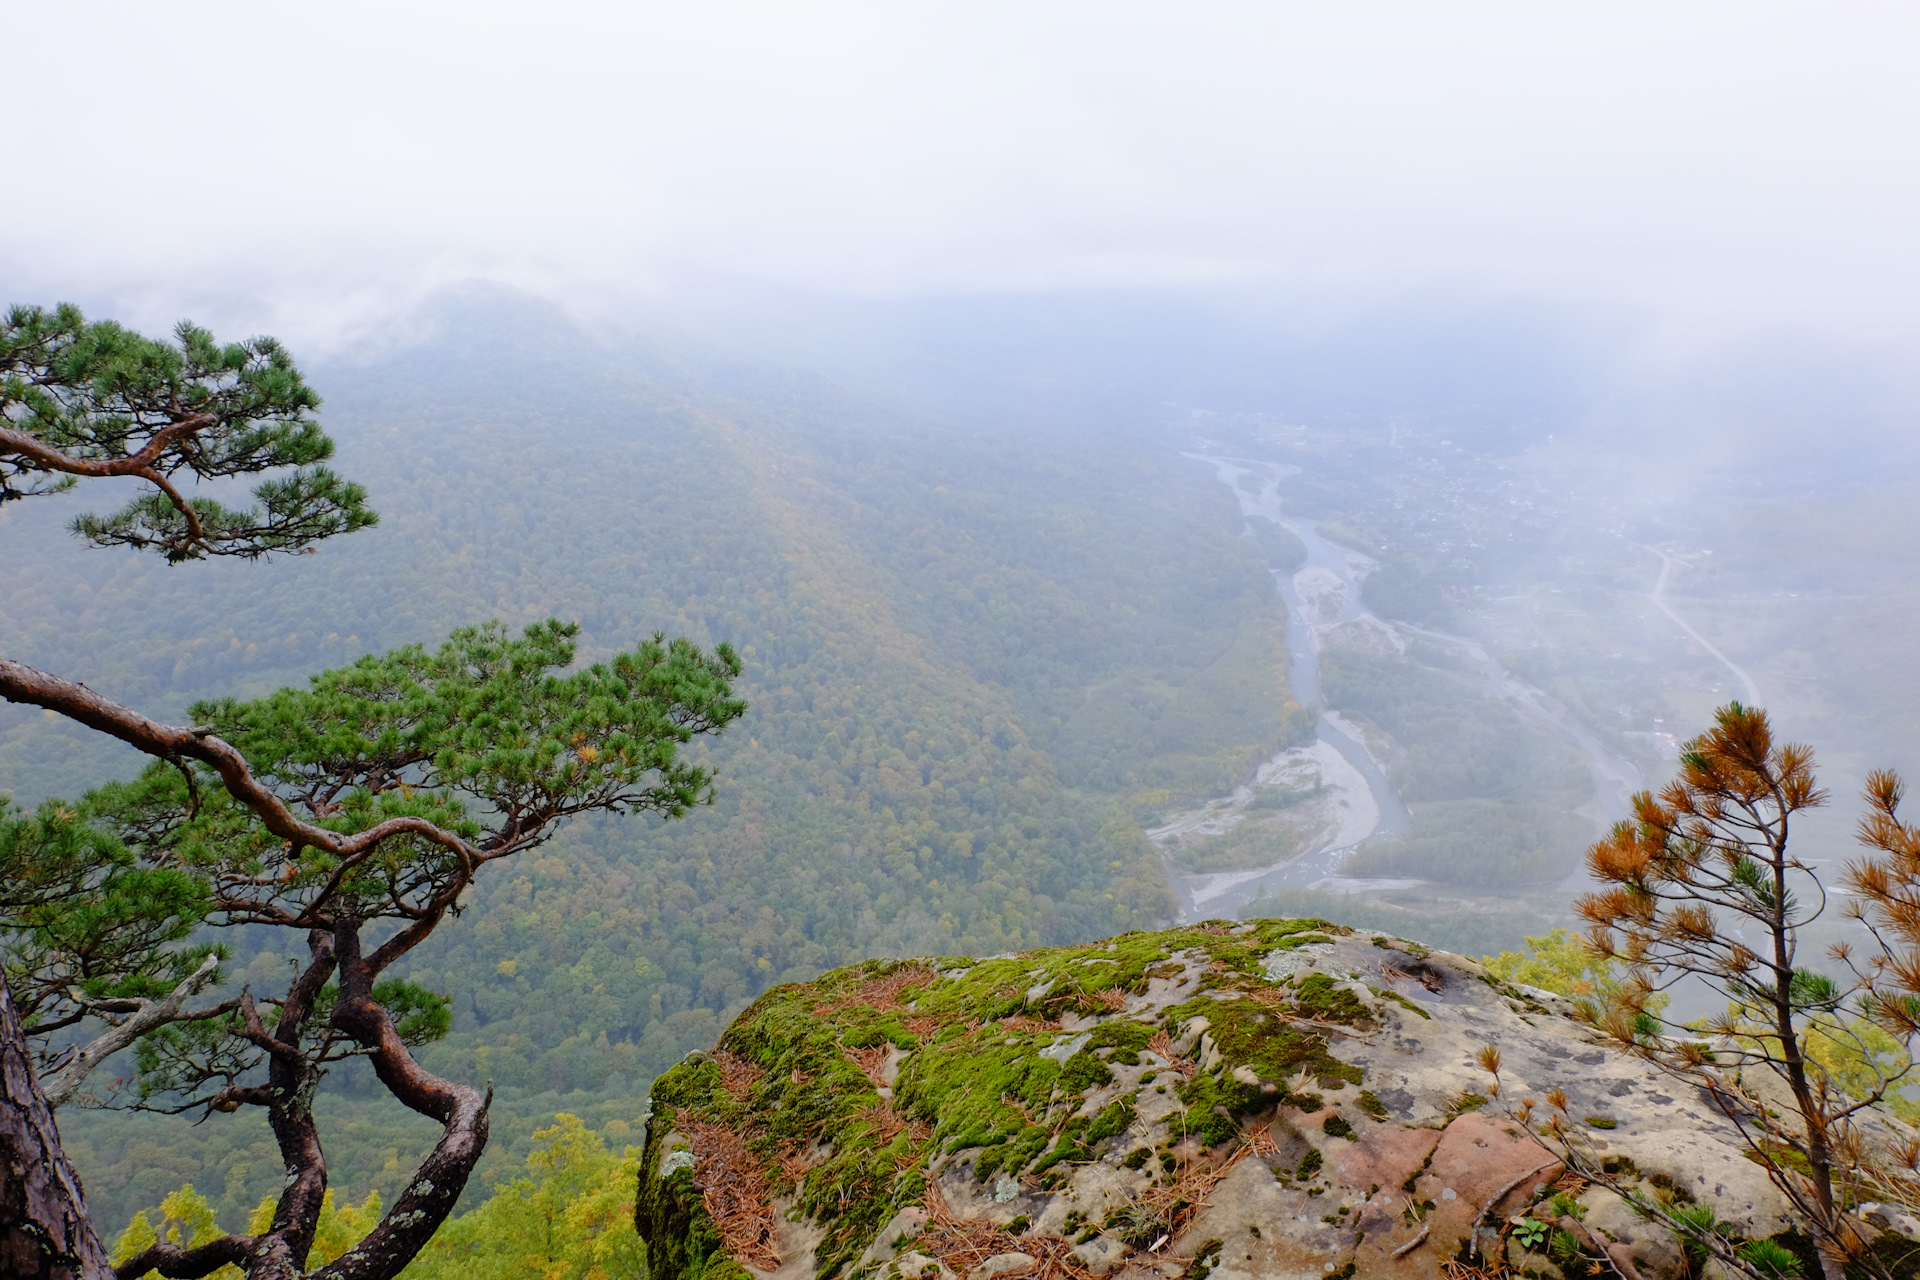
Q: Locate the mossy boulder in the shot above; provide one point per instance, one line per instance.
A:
(1275, 1097)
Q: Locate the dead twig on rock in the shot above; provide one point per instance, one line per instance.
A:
(1414, 1243)
(1480, 1219)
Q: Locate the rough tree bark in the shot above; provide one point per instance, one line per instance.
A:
(460, 1109)
(45, 1233)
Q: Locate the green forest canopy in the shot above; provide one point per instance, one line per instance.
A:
(976, 646)
(966, 650)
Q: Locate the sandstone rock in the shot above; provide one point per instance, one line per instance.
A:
(914, 1265)
(1533, 1264)
(1311, 1104)
(1101, 1255)
(1483, 1167)
(1656, 1252)
(1889, 1217)
(1387, 1158)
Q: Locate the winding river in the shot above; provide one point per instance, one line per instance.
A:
(1325, 593)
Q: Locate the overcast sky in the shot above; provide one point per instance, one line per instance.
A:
(1729, 164)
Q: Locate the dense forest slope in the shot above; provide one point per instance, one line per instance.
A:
(969, 646)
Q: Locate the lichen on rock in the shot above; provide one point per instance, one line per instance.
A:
(1273, 1098)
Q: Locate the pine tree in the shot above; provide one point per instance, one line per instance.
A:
(359, 808)
(1704, 885)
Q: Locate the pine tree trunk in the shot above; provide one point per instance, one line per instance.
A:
(45, 1233)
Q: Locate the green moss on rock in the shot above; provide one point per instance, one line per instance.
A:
(986, 1074)
(1215, 1105)
(1318, 996)
(682, 1241)
(1262, 1037)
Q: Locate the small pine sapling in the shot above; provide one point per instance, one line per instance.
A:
(1703, 885)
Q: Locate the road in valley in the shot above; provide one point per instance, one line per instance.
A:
(1659, 598)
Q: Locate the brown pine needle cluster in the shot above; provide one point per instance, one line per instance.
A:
(1570, 1184)
(1283, 1007)
(962, 1244)
(737, 1075)
(1456, 1270)
(1272, 997)
(1161, 1046)
(1426, 978)
(735, 1191)
(887, 1125)
(872, 1062)
(1024, 1022)
(1186, 1195)
(883, 992)
(794, 1163)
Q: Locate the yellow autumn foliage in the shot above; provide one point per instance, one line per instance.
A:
(569, 1218)
(187, 1219)
(1560, 962)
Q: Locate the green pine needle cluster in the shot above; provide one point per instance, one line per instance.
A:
(97, 394)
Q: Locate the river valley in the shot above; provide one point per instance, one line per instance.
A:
(1322, 801)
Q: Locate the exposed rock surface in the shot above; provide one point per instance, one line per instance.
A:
(1273, 1099)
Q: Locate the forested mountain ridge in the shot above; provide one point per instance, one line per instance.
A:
(969, 646)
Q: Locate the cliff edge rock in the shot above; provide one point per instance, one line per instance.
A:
(1267, 1099)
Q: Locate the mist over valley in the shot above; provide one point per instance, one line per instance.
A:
(1081, 643)
(1023, 669)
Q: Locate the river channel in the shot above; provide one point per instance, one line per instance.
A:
(1320, 595)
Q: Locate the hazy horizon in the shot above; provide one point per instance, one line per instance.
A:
(1712, 172)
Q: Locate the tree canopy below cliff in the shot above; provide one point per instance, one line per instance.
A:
(966, 650)
(983, 645)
